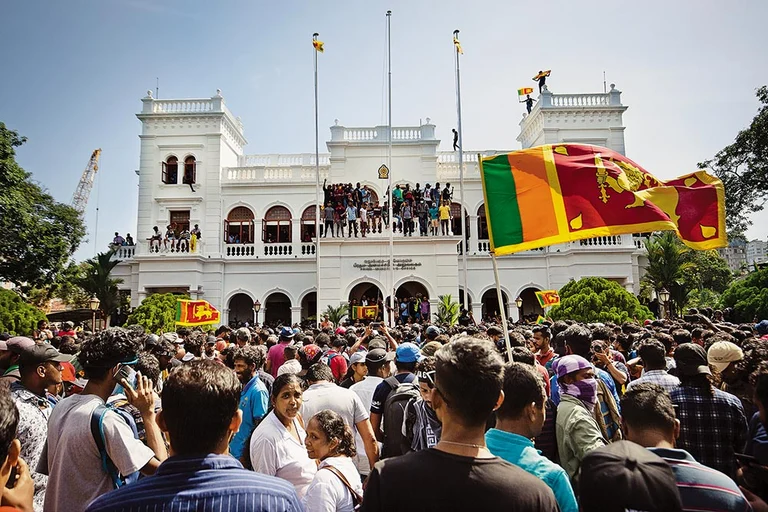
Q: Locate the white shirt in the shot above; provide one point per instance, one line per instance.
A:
(275, 452)
(364, 389)
(327, 493)
(327, 395)
(71, 457)
(292, 366)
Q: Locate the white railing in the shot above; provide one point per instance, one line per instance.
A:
(379, 133)
(272, 174)
(292, 160)
(124, 252)
(406, 133)
(581, 100)
(356, 134)
(240, 250)
(182, 106)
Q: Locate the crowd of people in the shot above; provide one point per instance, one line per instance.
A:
(660, 416)
(357, 210)
(175, 239)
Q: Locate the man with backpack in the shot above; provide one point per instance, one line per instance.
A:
(392, 396)
(92, 441)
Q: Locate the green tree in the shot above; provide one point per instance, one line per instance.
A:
(156, 313)
(703, 298)
(39, 234)
(336, 314)
(97, 280)
(16, 316)
(668, 262)
(594, 299)
(748, 296)
(709, 271)
(743, 168)
(447, 310)
(65, 287)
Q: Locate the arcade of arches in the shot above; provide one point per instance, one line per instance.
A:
(241, 309)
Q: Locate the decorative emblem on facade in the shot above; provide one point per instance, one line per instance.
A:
(383, 172)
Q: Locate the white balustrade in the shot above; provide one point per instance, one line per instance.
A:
(182, 106)
(240, 250)
(581, 100)
(358, 134)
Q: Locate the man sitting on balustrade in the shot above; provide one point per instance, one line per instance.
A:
(154, 240)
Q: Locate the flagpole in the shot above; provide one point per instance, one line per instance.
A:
(317, 194)
(389, 175)
(502, 305)
(461, 169)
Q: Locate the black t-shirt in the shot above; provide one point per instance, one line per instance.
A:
(383, 390)
(435, 480)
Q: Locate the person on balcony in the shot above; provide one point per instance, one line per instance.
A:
(154, 240)
(340, 219)
(363, 219)
(118, 241)
(455, 139)
(328, 214)
(183, 245)
(445, 217)
(128, 240)
(170, 236)
(375, 214)
(407, 215)
(434, 223)
(351, 216)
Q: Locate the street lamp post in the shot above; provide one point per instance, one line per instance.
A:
(256, 309)
(94, 305)
(519, 304)
(664, 297)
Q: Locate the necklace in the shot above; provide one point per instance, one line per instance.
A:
(478, 446)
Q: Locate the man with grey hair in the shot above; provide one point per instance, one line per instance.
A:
(242, 337)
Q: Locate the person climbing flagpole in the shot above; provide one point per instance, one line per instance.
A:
(459, 51)
(318, 47)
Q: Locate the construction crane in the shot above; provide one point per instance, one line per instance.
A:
(83, 190)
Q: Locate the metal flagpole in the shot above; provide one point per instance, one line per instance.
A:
(317, 194)
(457, 49)
(389, 165)
(502, 306)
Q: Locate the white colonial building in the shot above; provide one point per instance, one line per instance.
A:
(194, 171)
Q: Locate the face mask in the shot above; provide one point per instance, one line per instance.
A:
(585, 390)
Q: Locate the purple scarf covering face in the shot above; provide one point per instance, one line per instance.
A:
(585, 390)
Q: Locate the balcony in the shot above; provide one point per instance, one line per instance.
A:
(272, 251)
(380, 134)
(292, 168)
(607, 243)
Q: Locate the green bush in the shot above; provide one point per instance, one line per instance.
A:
(594, 299)
(748, 297)
(157, 313)
(16, 316)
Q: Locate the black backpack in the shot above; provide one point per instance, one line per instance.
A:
(395, 405)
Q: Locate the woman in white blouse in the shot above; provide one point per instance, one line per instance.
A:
(277, 444)
(336, 486)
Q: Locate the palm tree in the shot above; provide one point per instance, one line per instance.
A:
(337, 314)
(668, 260)
(447, 311)
(97, 281)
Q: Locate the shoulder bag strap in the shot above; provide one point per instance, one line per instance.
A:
(356, 498)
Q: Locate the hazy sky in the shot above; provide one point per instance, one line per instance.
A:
(74, 72)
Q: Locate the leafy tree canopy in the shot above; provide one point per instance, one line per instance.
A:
(16, 316)
(447, 311)
(39, 234)
(156, 313)
(95, 279)
(748, 297)
(594, 299)
(743, 168)
(336, 314)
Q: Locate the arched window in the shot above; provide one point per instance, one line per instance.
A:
(482, 223)
(456, 224)
(190, 170)
(170, 174)
(308, 224)
(276, 226)
(239, 228)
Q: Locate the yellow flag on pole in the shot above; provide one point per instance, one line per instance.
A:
(457, 44)
(318, 45)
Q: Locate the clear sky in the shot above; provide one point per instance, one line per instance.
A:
(74, 72)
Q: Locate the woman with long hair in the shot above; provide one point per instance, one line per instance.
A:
(336, 485)
(277, 444)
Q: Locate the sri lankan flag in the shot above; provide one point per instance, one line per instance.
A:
(557, 193)
(365, 312)
(196, 312)
(524, 91)
(548, 298)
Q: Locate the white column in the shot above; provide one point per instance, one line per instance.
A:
(295, 314)
(296, 233)
(473, 234)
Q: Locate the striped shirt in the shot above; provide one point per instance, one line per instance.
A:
(660, 377)
(209, 483)
(702, 488)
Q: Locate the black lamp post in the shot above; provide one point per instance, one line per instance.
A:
(256, 309)
(94, 305)
(519, 304)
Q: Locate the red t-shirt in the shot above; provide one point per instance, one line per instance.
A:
(338, 365)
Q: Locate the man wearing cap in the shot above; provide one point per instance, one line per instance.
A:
(70, 458)
(576, 429)
(648, 419)
(322, 394)
(713, 427)
(724, 356)
(276, 354)
(15, 346)
(406, 357)
(762, 329)
(40, 367)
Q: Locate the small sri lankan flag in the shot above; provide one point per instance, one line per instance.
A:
(559, 193)
(318, 45)
(548, 298)
(524, 91)
(196, 312)
(457, 44)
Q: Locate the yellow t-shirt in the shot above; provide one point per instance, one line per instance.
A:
(445, 212)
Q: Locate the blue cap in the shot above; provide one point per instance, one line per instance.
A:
(286, 332)
(408, 353)
(762, 328)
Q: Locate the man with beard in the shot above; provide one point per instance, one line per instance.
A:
(254, 399)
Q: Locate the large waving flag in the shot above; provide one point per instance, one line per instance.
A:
(557, 193)
(196, 312)
(548, 298)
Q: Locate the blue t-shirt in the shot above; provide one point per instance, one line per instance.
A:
(520, 451)
(254, 402)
